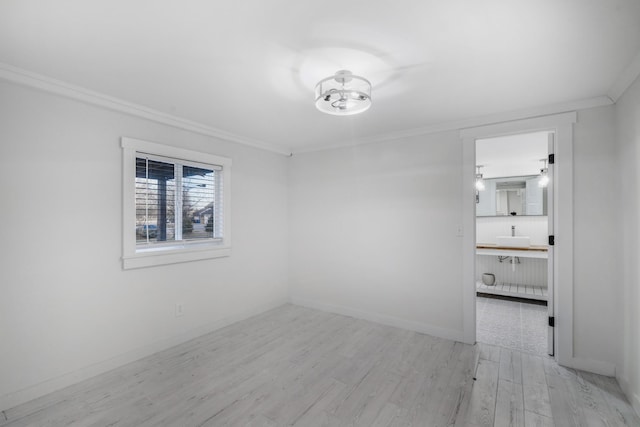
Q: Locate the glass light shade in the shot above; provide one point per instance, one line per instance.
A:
(479, 182)
(544, 178)
(343, 94)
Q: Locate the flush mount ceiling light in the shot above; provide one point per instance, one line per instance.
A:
(343, 94)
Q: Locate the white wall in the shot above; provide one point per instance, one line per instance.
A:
(374, 232)
(628, 137)
(489, 228)
(67, 309)
(597, 299)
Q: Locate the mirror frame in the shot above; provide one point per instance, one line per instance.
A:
(496, 179)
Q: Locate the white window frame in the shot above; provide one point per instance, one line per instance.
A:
(178, 251)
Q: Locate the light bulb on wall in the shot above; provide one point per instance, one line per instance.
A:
(479, 180)
(543, 181)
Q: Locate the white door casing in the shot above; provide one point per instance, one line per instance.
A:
(562, 255)
(551, 248)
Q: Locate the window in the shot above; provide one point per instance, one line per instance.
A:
(176, 201)
(176, 204)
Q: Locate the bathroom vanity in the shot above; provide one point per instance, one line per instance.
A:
(529, 252)
(515, 276)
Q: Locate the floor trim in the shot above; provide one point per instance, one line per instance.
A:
(383, 319)
(634, 399)
(596, 366)
(37, 390)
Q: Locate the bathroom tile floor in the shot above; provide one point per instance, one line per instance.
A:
(511, 324)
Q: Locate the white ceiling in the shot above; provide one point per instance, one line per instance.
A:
(248, 67)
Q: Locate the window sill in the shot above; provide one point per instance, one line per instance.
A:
(173, 255)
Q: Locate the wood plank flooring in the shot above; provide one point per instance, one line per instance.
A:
(302, 367)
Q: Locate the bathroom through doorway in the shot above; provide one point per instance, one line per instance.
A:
(514, 241)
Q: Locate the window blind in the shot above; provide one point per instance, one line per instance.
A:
(177, 200)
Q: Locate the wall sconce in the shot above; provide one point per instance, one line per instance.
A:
(543, 181)
(479, 180)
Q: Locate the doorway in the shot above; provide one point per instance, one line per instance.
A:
(560, 256)
(514, 281)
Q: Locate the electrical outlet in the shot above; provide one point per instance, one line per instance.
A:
(179, 309)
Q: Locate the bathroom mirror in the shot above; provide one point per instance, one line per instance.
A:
(512, 196)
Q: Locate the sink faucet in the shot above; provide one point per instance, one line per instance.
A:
(513, 231)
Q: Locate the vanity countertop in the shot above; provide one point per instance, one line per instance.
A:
(539, 248)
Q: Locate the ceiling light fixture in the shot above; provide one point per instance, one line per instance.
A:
(479, 180)
(343, 94)
(544, 175)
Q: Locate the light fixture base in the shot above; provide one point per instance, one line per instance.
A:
(343, 76)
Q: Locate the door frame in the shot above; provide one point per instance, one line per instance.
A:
(551, 231)
(562, 126)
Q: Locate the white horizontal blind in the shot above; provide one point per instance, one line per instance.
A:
(155, 201)
(176, 201)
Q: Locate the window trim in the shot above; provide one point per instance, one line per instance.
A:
(133, 257)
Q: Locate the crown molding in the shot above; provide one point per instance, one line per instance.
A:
(531, 124)
(47, 84)
(625, 79)
(599, 101)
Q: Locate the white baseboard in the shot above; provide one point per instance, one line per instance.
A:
(384, 319)
(32, 392)
(595, 366)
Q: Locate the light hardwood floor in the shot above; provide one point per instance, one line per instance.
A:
(302, 367)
